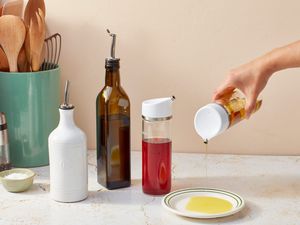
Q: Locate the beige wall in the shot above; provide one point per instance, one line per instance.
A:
(182, 48)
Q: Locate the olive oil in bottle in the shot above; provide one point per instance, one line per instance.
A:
(235, 107)
(113, 127)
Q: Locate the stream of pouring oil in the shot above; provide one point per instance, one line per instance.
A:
(208, 204)
(205, 156)
(196, 203)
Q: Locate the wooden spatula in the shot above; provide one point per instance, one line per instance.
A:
(12, 36)
(35, 40)
(31, 8)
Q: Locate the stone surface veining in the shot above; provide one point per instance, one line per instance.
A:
(270, 186)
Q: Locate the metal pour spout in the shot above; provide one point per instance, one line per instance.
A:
(113, 44)
(66, 98)
(66, 104)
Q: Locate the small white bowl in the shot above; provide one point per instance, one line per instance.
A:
(17, 185)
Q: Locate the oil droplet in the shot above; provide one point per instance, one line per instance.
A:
(209, 205)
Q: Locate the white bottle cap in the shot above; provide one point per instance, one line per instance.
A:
(157, 108)
(211, 120)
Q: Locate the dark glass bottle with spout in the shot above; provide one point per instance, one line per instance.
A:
(113, 128)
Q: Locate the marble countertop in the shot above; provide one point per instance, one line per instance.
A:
(270, 186)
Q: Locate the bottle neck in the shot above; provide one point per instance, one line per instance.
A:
(66, 118)
(112, 77)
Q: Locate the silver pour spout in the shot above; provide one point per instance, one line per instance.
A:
(66, 104)
(66, 98)
(113, 44)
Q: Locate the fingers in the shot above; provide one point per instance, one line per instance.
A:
(223, 91)
(226, 89)
(250, 104)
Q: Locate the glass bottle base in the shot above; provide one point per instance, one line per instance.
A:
(156, 192)
(116, 184)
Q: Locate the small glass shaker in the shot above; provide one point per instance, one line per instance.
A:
(214, 118)
(4, 147)
(157, 145)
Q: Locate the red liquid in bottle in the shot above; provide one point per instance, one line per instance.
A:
(157, 166)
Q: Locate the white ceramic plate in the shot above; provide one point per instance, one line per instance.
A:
(176, 202)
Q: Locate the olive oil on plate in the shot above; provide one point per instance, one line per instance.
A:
(203, 203)
(208, 205)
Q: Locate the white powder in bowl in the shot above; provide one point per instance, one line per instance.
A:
(16, 176)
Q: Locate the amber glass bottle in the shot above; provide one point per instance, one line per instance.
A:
(113, 128)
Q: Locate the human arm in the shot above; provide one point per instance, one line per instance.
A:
(251, 78)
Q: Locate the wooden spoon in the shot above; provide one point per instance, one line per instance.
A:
(12, 36)
(1, 6)
(35, 40)
(3, 61)
(14, 7)
(23, 64)
(31, 9)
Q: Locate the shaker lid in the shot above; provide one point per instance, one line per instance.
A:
(210, 121)
(2, 118)
(157, 108)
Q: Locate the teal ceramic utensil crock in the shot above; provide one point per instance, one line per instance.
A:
(30, 101)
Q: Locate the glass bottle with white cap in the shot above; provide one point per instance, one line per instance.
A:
(214, 118)
(157, 145)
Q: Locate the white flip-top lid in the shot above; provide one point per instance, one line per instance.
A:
(157, 108)
(211, 120)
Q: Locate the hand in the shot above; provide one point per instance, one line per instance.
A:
(250, 78)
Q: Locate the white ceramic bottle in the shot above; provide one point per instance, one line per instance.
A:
(68, 157)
